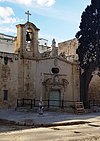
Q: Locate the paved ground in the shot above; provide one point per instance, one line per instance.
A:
(82, 132)
(48, 118)
(52, 126)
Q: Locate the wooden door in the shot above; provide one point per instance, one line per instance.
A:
(54, 98)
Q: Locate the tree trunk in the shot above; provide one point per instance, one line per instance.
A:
(85, 79)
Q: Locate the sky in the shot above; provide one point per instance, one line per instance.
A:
(59, 19)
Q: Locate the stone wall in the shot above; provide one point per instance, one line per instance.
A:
(94, 88)
(8, 79)
(67, 72)
(26, 78)
(68, 47)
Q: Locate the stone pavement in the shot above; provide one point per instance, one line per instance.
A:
(48, 118)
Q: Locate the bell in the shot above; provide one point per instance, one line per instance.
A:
(28, 37)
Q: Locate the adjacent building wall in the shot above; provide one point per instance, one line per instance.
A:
(8, 79)
(6, 43)
(67, 49)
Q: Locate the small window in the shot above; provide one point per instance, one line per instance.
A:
(5, 60)
(5, 98)
(55, 70)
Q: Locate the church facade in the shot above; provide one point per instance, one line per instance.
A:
(28, 74)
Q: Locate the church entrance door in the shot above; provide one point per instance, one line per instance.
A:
(54, 98)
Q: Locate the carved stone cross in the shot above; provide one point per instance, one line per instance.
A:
(28, 14)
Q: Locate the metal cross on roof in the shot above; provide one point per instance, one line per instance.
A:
(28, 14)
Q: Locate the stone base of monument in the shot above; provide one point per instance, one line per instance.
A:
(40, 111)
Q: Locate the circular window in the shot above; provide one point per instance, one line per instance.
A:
(55, 70)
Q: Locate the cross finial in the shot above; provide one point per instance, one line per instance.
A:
(28, 14)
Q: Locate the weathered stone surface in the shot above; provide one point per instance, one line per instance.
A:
(28, 75)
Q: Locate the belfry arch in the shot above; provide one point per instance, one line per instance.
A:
(27, 40)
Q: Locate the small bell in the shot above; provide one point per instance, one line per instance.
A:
(28, 37)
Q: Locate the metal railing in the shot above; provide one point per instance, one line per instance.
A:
(46, 103)
(54, 103)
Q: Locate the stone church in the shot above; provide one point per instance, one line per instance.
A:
(26, 73)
